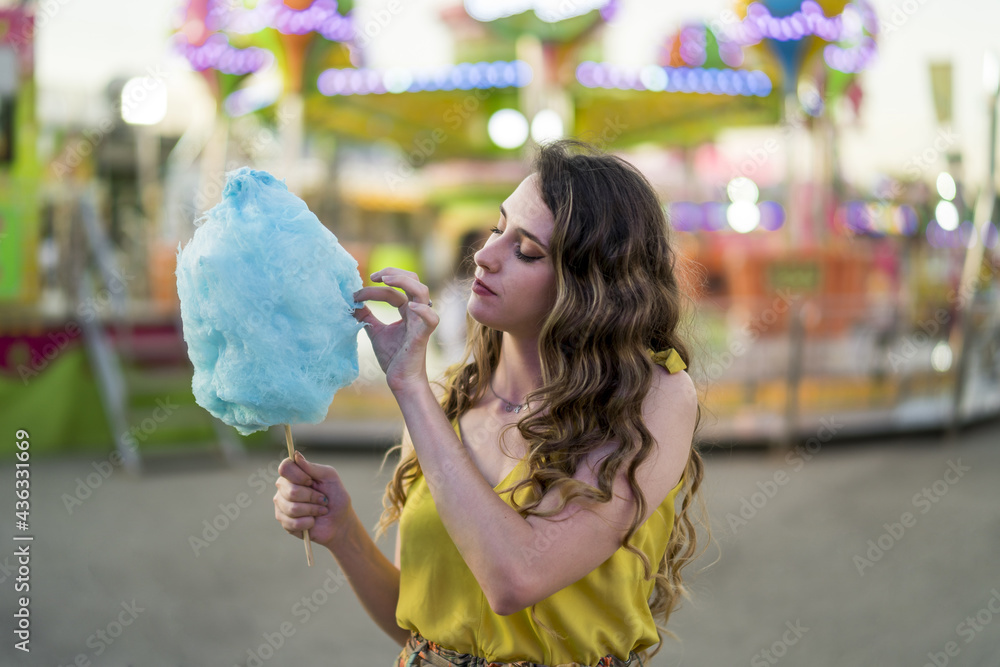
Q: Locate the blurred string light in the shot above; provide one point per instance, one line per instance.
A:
(743, 215)
(946, 215)
(466, 76)
(549, 11)
(941, 356)
(875, 219)
(508, 128)
(691, 46)
(742, 189)
(217, 53)
(143, 104)
(547, 125)
(963, 237)
(674, 79)
(946, 186)
(716, 216)
(319, 17)
(693, 43)
(850, 27)
(809, 20)
(851, 59)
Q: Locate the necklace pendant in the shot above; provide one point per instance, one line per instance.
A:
(509, 408)
(517, 409)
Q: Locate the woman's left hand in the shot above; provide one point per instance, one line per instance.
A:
(400, 347)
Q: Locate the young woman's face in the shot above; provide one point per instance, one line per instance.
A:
(516, 281)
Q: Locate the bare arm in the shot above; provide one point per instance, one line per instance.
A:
(374, 579)
(299, 506)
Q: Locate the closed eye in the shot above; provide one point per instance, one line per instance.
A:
(517, 249)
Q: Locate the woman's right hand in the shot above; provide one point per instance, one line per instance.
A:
(310, 497)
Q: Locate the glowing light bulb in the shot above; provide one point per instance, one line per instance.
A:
(946, 186)
(508, 128)
(946, 215)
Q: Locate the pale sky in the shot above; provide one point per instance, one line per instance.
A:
(82, 44)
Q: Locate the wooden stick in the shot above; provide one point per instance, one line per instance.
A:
(291, 455)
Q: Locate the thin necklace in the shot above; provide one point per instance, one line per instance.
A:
(508, 406)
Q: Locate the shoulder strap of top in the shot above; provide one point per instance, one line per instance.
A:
(669, 359)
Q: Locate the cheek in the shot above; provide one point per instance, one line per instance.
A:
(545, 291)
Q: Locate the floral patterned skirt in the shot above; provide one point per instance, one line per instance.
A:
(419, 652)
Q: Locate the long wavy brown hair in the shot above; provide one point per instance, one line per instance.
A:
(618, 295)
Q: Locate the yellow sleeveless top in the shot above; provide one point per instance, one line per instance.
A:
(604, 613)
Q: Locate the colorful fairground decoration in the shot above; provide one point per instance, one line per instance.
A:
(252, 52)
(948, 219)
(727, 72)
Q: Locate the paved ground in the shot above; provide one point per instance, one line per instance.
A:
(869, 553)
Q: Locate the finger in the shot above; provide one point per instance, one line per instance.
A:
(317, 471)
(415, 290)
(391, 271)
(293, 473)
(302, 494)
(391, 296)
(295, 526)
(366, 316)
(298, 510)
(426, 314)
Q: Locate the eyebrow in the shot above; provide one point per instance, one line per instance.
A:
(525, 232)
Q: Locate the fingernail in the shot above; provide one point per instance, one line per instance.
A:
(325, 501)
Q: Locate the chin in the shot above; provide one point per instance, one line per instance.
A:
(481, 317)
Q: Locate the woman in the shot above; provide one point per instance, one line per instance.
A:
(536, 487)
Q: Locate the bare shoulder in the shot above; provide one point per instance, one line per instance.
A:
(670, 411)
(671, 391)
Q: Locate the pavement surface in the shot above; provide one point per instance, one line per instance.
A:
(869, 552)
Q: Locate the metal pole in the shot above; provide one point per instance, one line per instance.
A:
(970, 270)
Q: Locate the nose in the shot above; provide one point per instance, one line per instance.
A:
(487, 257)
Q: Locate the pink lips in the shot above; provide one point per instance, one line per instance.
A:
(481, 289)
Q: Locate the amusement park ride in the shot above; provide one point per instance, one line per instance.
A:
(812, 301)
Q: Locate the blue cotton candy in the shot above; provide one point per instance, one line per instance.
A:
(267, 296)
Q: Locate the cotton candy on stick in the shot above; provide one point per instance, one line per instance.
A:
(266, 295)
